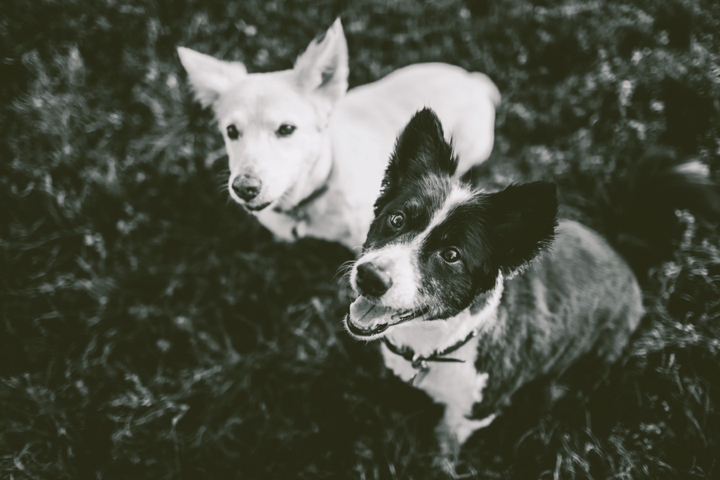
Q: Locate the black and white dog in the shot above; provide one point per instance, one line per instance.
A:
(475, 294)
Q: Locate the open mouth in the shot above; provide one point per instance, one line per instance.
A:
(367, 319)
(257, 208)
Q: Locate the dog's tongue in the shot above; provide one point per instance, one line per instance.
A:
(368, 317)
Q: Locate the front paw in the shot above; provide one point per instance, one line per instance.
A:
(449, 447)
(448, 444)
(446, 464)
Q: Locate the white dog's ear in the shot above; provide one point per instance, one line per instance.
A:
(209, 76)
(323, 67)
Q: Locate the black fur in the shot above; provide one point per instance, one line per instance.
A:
(576, 301)
(639, 214)
(416, 200)
(493, 232)
(521, 222)
(456, 285)
(420, 150)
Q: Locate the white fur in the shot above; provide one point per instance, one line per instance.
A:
(457, 196)
(342, 139)
(457, 386)
(428, 337)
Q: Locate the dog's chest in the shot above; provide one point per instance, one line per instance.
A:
(330, 217)
(458, 385)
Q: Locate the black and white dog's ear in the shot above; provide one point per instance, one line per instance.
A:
(323, 68)
(420, 150)
(209, 76)
(521, 221)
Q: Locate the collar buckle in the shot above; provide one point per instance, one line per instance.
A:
(421, 363)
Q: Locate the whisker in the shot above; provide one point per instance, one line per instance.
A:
(344, 268)
(221, 177)
(345, 278)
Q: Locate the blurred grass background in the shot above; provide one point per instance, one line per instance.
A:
(151, 329)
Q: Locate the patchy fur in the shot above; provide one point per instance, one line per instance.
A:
(496, 292)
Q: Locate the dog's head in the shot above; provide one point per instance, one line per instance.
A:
(272, 123)
(436, 244)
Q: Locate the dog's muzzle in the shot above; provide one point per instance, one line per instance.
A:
(368, 320)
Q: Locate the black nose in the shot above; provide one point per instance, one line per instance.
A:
(246, 188)
(371, 280)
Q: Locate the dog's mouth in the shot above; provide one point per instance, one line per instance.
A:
(368, 320)
(256, 208)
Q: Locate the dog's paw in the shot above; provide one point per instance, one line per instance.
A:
(447, 441)
(447, 457)
(446, 464)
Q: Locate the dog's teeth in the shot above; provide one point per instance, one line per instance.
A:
(412, 313)
(376, 323)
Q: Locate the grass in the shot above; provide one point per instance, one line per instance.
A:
(151, 329)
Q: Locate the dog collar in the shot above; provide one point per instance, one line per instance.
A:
(421, 363)
(314, 195)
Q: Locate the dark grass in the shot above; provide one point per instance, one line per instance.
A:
(151, 329)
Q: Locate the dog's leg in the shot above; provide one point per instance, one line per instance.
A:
(452, 432)
(449, 445)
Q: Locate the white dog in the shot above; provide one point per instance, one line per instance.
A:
(306, 156)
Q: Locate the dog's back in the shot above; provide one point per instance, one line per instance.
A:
(464, 101)
(366, 122)
(579, 299)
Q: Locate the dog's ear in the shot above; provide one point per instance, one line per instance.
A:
(323, 67)
(420, 150)
(521, 221)
(209, 76)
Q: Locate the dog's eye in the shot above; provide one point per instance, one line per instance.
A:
(451, 255)
(396, 220)
(285, 130)
(232, 132)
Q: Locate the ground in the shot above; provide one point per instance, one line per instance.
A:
(149, 328)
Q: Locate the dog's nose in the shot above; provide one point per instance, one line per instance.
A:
(246, 188)
(371, 280)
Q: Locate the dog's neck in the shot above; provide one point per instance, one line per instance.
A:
(312, 187)
(428, 337)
